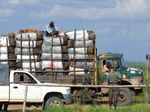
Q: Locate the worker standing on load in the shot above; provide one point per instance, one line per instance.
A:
(51, 29)
(113, 79)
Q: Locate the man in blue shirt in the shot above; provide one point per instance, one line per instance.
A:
(51, 29)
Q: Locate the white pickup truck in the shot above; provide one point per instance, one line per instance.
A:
(45, 94)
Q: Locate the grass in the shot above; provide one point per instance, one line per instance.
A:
(97, 108)
(100, 108)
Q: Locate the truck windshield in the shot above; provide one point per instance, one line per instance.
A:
(123, 62)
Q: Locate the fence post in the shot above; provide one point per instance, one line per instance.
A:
(25, 98)
(146, 93)
(147, 78)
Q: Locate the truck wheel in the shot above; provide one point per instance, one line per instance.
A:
(53, 101)
(125, 96)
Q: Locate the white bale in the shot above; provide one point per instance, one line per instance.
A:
(77, 50)
(79, 44)
(26, 36)
(50, 49)
(3, 50)
(32, 64)
(50, 64)
(3, 62)
(3, 56)
(25, 51)
(51, 56)
(56, 41)
(28, 69)
(27, 57)
(78, 71)
(80, 35)
(4, 41)
(26, 44)
(79, 56)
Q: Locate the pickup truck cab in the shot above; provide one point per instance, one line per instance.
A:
(45, 94)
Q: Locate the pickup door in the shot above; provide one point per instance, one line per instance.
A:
(18, 88)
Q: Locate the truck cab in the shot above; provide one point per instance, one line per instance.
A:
(20, 83)
(130, 76)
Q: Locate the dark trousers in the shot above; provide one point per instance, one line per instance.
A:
(113, 96)
(85, 97)
(3, 106)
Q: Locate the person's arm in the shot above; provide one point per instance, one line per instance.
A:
(56, 29)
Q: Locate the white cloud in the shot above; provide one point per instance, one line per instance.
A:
(55, 11)
(67, 12)
(131, 7)
(124, 9)
(14, 2)
(30, 2)
(6, 12)
(18, 2)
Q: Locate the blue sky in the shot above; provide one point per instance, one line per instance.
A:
(121, 26)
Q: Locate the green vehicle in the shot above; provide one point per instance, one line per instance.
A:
(129, 76)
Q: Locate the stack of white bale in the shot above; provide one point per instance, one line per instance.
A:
(7, 45)
(28, 50)
(81, 50)
(54, 53)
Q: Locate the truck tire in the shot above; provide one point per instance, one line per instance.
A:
(125, 96)
(53, 101)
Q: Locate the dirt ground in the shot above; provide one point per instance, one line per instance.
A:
(18, 107)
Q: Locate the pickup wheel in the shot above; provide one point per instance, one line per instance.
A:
(53, 101)
(125, 96)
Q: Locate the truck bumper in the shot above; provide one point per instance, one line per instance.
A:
(67, 98)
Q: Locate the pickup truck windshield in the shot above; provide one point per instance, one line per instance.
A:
(123, 62)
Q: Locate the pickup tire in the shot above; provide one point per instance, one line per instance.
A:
(53, 101)
(125, 96)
